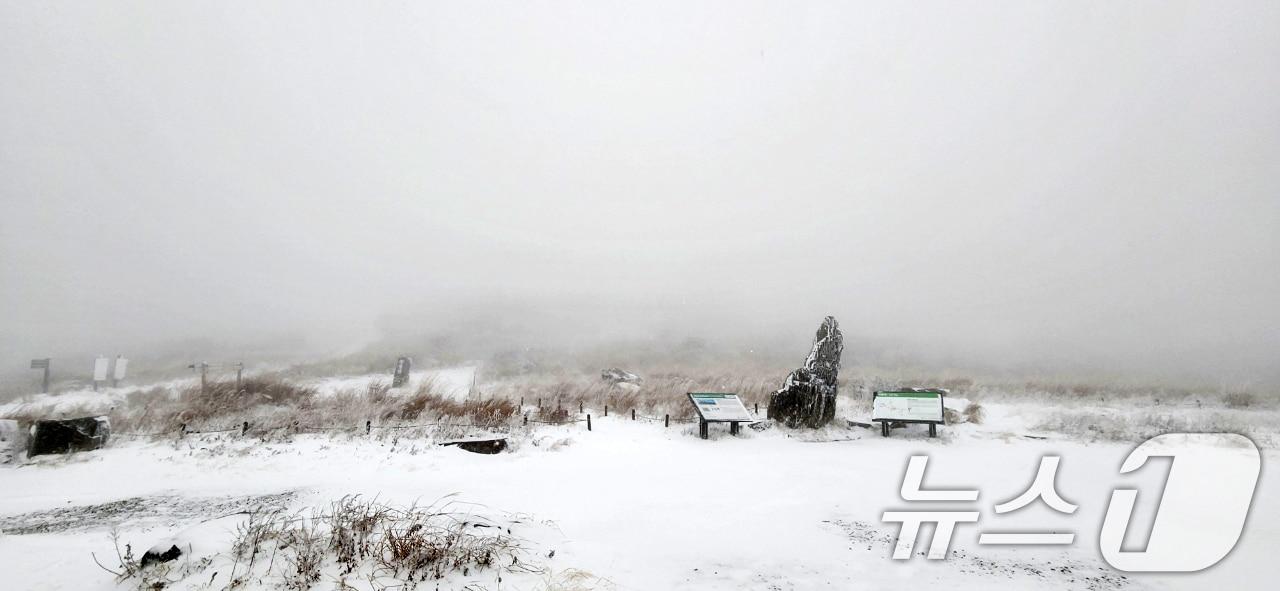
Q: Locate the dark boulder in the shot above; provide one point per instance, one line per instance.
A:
(808, 396)
(481, 446)
(60, 436)
(160, 554)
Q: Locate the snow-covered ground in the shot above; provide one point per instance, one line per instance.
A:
(636, 504)
(453, 381)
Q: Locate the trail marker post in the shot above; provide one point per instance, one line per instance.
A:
(204, 366)
(204, 375)
(42, 364)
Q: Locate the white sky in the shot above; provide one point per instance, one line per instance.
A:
(1013, 180)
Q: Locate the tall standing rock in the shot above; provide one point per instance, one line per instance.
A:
(808, 397)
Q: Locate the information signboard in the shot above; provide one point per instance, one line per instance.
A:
(910, 405)
(915, 405)
(122, 368)
(720, 408)
(100, 366)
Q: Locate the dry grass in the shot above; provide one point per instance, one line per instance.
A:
(271, 404)
(428, 403)
(387, 546)
(274, 405)
(974, 413)
(1239, 400)
(660, 394)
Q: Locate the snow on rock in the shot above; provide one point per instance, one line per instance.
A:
(615, 376)
(200, 540)
(58, 436)
(808, 397)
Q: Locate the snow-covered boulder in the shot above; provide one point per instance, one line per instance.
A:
(58, 436)
(616, 376)
(808, 397)
(200, 540)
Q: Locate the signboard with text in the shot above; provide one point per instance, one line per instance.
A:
(716, 407)
(100, 366)
(920, 406)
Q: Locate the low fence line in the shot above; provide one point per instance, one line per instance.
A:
(245, 426)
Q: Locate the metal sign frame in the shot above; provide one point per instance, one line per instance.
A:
(43, 364)
(704, 422)
(933, 425)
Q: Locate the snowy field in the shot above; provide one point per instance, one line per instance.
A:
(628, 505)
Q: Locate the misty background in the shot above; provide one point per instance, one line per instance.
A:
(1068, 187)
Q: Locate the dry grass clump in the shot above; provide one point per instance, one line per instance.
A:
(974, 413)
(272, 404)
(222, 399)
(1239, 399)
(428, 403)
(367, 540)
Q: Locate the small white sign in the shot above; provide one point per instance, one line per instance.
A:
(720, 407)
(122, 366)
(907, 406)
(100, 366)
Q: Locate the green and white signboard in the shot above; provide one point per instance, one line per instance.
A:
(917, 406)
(718, 408)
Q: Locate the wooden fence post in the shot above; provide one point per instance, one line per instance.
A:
(588, 422)
(666, 421)
(368, 427)
(244, 427)
(633, 414)
(606, 410)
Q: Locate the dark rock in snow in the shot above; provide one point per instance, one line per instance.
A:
(159, 554)
(617, 376)
(60, 436)
(481, 446)
(808, 396)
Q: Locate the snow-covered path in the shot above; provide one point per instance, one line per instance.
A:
(646, 507)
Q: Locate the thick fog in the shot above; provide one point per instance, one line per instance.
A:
(1071, 184)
